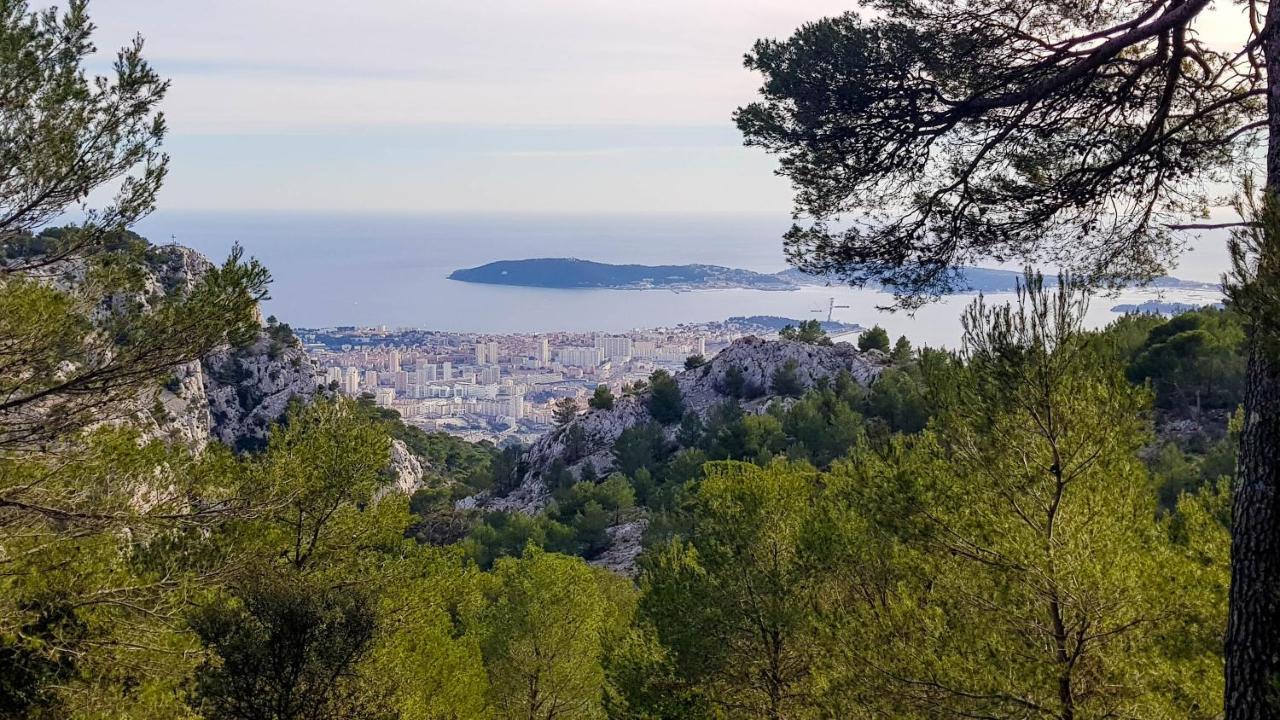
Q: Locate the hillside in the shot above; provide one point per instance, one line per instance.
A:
(587, 444)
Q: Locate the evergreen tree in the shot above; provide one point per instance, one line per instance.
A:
(1053, 133)
(286, 650)
(901, 354)
(566, 409)
(666, 404)
(734, 383)
(591, 526)
(427, 657)
(874, 339)
(691, 430)
(545, 635)
(733, 604)
(640, 446)
(89, 603)
(809, 331)
(785, 381)
(1031, 567)
(601, 399)
(324, 483)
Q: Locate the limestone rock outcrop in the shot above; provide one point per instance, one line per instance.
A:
(590, 438)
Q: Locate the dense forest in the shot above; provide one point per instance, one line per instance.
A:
(1040, 520)
(1037, 525)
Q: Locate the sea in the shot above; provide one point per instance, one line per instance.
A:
(333, 269)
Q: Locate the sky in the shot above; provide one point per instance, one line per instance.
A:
(463, 105)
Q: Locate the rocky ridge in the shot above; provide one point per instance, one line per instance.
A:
(703, 389)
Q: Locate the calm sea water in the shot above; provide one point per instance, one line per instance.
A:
(391, 270)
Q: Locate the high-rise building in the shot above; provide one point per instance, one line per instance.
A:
(371, 380)
(402, 381)
(580, 356)
(351, 381)
(644, 349)
(332, 375)
(700, 347)
(516, 407)
(426, 373)
(446, 371)
(487, 353)
(544, 352)
(614, 347)
(393, 362)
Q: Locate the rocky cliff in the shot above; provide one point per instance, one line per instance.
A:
(234, 394)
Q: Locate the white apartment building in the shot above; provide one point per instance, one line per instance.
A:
(351, 381)
(426, 373)
(487, 353)
(614, 347)
(580, 356)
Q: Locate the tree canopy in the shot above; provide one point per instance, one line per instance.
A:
(931, 133)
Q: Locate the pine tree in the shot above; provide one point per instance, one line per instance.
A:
(601, 399)
(785, 380)
(666, 404)
(874, 339)
(902, 352)
(565, 411)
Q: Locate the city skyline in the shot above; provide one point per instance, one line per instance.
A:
(499, 387)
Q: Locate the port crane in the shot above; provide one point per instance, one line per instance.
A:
(831, 308)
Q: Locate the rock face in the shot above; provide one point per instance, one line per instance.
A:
(250, 388)
(405, 468)
(234, 394)
(703, 389)
(624, 547)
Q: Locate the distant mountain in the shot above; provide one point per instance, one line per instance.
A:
(571, 273)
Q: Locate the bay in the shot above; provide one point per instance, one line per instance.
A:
(391, 269)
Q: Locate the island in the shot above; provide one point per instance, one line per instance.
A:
(576, 274)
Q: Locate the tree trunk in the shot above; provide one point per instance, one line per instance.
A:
(1253, 628)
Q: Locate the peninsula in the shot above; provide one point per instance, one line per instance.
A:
(575, 274)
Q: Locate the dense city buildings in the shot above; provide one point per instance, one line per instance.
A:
(497, 387)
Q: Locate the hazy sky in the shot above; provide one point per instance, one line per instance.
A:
(466, 105)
